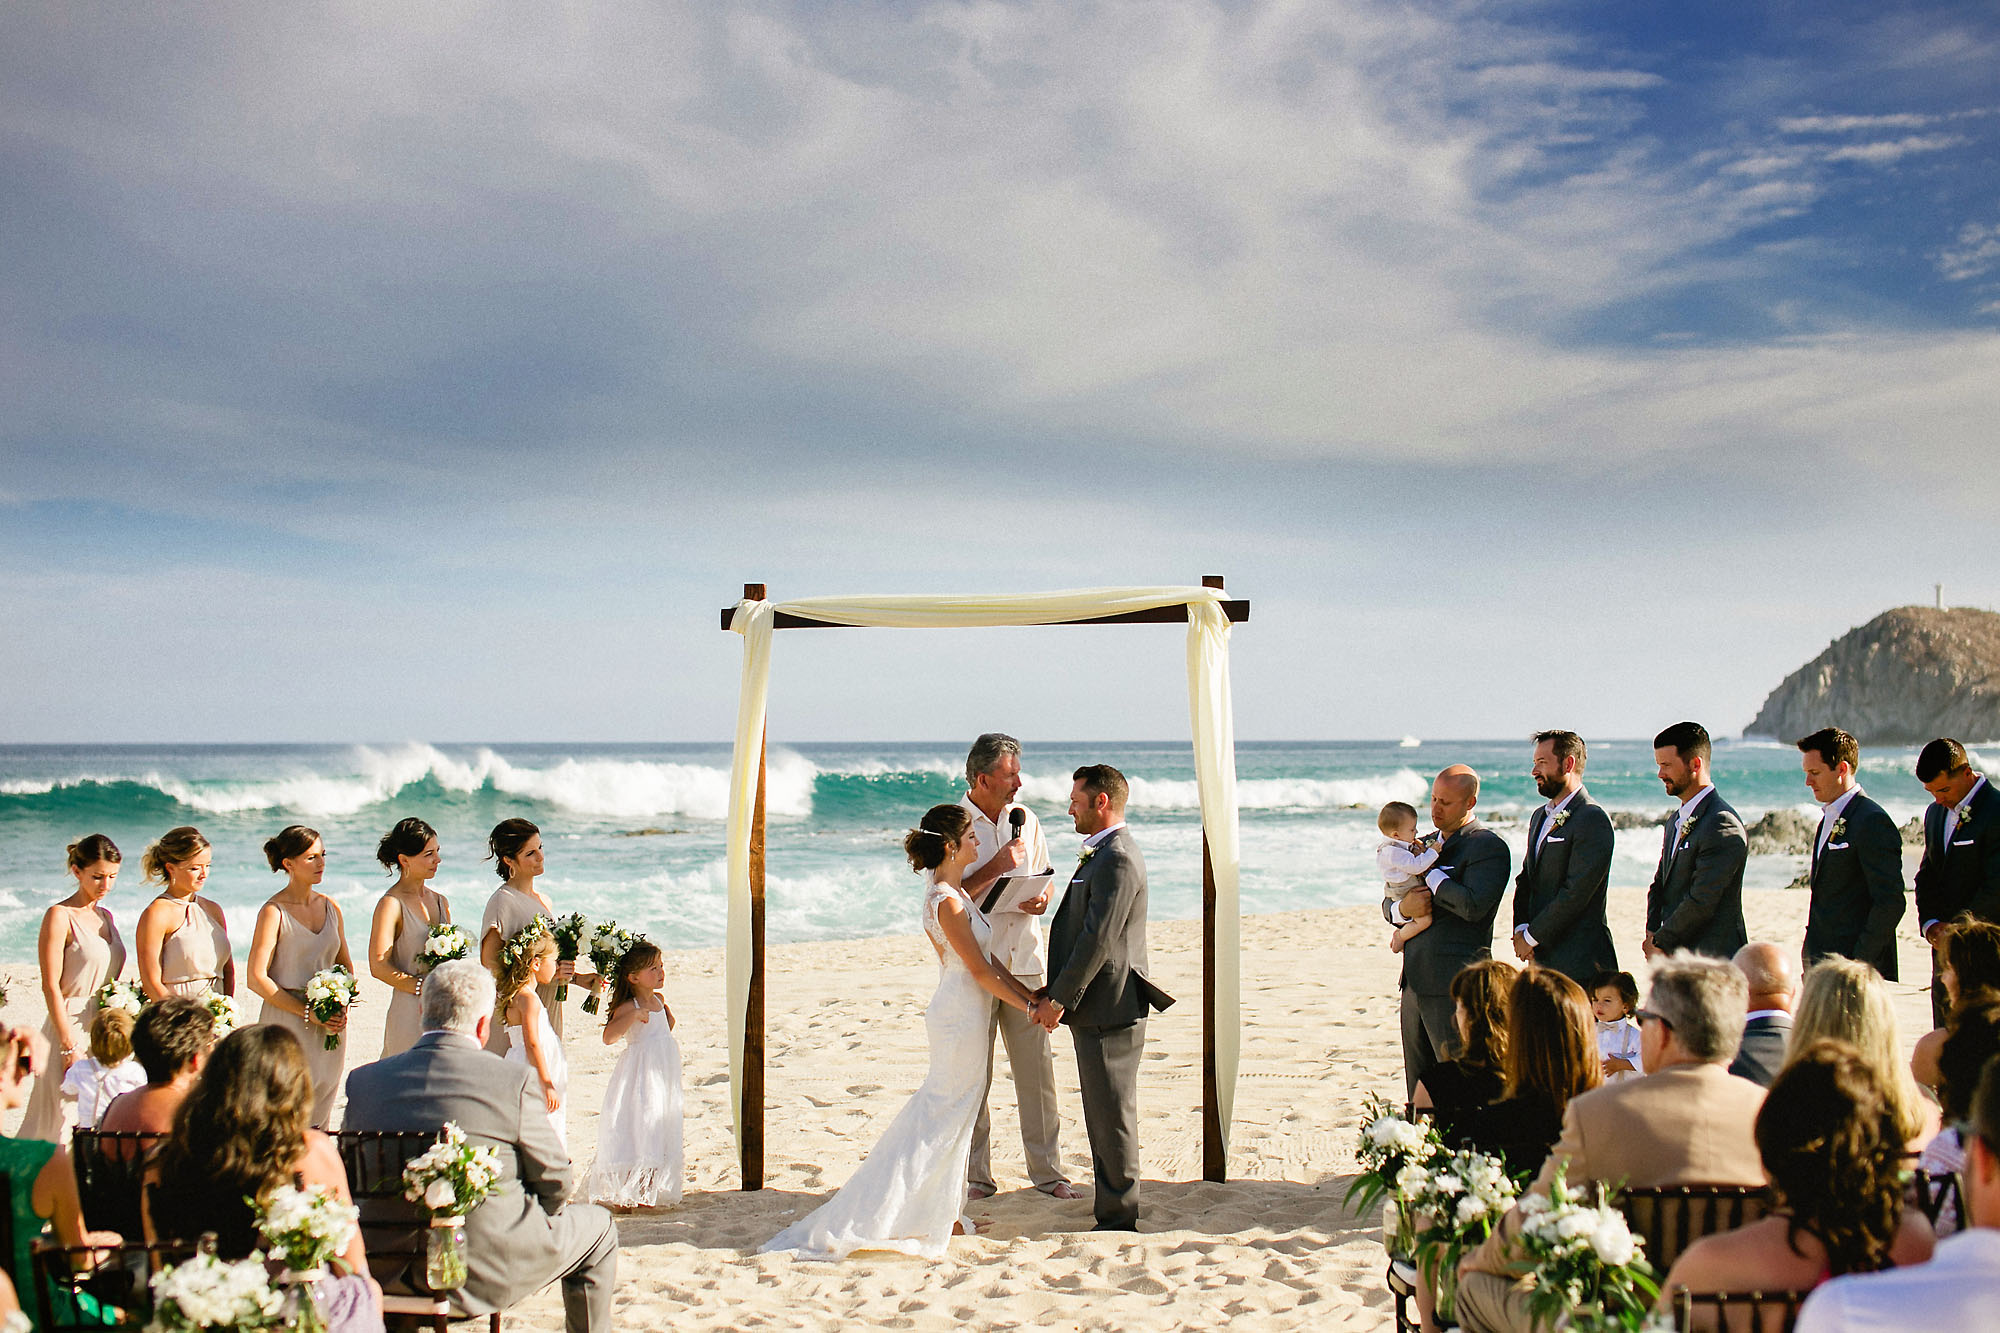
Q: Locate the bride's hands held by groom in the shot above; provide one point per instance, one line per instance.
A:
(1046, 1012)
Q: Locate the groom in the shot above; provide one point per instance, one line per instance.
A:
(1097, 985)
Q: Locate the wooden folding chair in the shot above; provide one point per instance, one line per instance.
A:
(1738, 1311)
(1669, 1218)
(392, 1228)
(109, 1170)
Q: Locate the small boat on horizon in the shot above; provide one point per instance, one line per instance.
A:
(1408, 743)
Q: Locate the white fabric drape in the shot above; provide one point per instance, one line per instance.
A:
(1214, 752)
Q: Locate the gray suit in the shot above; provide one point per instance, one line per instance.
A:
(1696, 898)
(522, 1237)
(1474, 862)
(1762, 1053)
(1097, 966)
(1559, 895)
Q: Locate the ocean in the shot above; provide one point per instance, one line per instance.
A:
(634, 832)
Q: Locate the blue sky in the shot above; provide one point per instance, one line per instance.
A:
(385, 372)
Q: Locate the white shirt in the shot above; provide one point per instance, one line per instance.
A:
(94, 1086)
(1830, 815)
(1954, 1291)
(1548, 823)
(1756, 1014)
(1101, 834)
(1019, 941)
(1951, 811)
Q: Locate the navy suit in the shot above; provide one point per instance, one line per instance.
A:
(1559, 894)
(1857, 889)
(1696, 898)
(1962, 877)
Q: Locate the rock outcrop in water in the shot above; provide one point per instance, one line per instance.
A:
(1904, 677)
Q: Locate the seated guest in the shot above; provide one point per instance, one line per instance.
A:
(1687, 1123)
(1552, 1056)
(1955, 1290)
(1774, 987)
(1968, 954)
(1849, 1002)
(241, 1132)
(524, 1236)
(1834, 1152)
(39, 1173)
(170, 1041)
(1972, 1040)
(1478, 1073)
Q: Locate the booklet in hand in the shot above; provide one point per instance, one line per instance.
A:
(1010, 891)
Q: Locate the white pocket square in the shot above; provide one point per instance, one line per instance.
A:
(1963, 842)
(1553, 838)
(1836, 847)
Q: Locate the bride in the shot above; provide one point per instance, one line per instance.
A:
(906, 1196)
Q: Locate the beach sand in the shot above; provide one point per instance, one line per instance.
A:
(1270, 1249)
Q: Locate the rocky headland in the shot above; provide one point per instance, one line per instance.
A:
(1906, 676)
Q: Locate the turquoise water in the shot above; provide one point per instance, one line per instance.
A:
(837, 813)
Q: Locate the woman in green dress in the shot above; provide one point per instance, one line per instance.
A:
(39, 1172)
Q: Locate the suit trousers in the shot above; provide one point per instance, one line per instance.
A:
(1430, 1034)
(1107, 1065)
(1489, 1303)
(589, 1268)
(1034, 1066)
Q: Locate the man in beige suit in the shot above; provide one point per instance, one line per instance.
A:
(1688, 1122)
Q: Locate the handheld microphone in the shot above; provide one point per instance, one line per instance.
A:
(1016, 819)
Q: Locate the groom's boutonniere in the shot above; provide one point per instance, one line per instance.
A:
(1964, 813)
(1083, 857)
(1839, 828)
(1687, 827)
(1559, 818)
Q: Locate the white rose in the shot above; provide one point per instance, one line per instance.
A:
(1408, 1137)
(1572, 1226)
(1613, 1243)
(440, 1195)
(1411, 1180)
(1470, 1209)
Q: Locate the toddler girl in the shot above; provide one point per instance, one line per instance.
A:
(1403, 859)
(639, 1133)
(526, 961)
(107, 1071)
(1613, 997)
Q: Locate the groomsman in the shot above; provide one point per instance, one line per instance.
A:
(1559, 897)
(1696, 898)
(1960, 871)
(992, 777)
(1462, 898)
(1857, 860)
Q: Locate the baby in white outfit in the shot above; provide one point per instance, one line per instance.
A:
(1403, 861)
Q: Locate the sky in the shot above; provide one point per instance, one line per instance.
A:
(379, 372)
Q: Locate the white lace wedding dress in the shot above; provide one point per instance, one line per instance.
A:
(911, 1189)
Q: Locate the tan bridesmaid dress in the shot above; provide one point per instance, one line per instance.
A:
(405, 1022)
(191, 958)
(297, 955)
(508, 910)
(89, 959)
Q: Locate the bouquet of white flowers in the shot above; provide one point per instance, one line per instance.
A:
(206, 1292)
(1590, 1270)
(1390, 1145)
(1461, 1198)
(119, 995)
(223, 1010)
(331, 992)
(307, 1229)
(449, 1181)
(570, 931)
(607, 945)
(446, 943)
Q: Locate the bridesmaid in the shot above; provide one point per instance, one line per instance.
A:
(403, 920)
(286, 949)
(516, 852)
(183, 940)
(79, 951)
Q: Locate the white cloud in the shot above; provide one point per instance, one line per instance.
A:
(1851, 124)
(1884, 151)
(1975, 253)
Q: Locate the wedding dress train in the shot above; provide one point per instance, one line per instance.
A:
(911, 1189)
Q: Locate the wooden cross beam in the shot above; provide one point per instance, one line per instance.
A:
(1214, 1155)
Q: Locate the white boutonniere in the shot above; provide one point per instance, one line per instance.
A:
(1559, 818)
(1687, 827)
(1838, 830)
(1083, 857)
(1964, 813)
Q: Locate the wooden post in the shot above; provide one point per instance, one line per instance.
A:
(1214, 1153)
(753, 1015)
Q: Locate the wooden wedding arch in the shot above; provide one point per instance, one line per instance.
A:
(1209, 615)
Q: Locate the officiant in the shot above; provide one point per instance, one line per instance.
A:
(1010, 845)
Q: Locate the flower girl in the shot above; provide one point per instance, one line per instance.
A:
(526, 961)
(639, 1133)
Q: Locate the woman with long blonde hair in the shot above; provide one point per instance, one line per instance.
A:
(1849, 1002)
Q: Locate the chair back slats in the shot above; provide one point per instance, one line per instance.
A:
(97, 1286)
(1669, 1218)
(1933, 1191)
(392, 1228)
(109, 1167)
(1737, 1311)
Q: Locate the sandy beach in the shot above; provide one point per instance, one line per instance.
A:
(1272, 1246)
